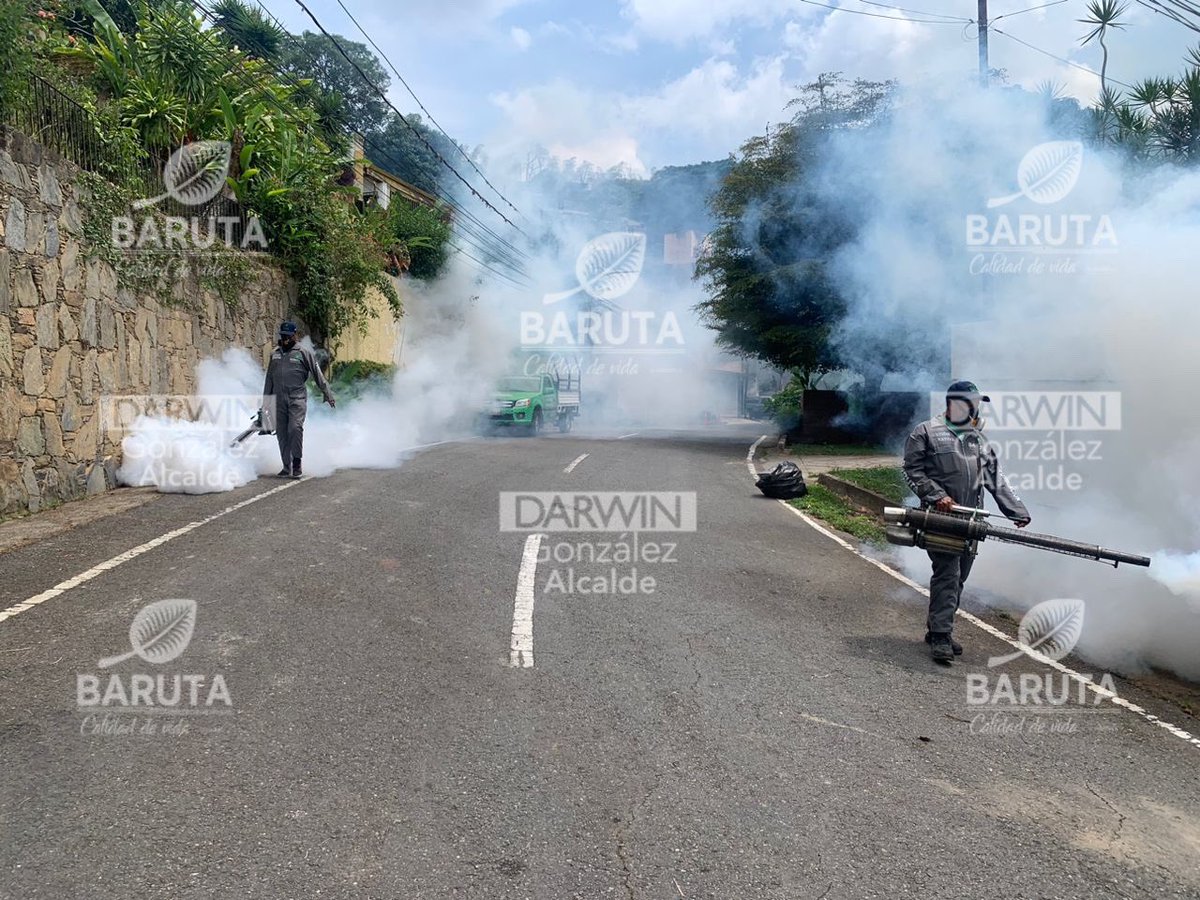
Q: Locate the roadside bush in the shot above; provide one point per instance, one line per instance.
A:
(787, 406)
(360, 369)
(351, 378)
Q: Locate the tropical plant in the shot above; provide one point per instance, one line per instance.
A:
(424, 233)
(1103, 15)
(248, 29)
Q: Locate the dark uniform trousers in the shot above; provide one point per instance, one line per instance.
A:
(950, 571)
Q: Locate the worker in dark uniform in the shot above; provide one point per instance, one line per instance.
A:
(285, 396)
(948, 462)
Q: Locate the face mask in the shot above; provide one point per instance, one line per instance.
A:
(962, 413)
(287, 343)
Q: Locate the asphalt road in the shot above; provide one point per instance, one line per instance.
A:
(764, 723)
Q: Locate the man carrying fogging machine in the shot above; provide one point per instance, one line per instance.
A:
(948, 463)
(285, 397)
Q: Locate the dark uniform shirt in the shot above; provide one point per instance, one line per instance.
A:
(942, 460)
(288, 373)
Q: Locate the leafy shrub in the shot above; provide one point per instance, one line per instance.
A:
(787, 406)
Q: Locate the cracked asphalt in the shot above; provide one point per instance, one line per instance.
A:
(765, 723)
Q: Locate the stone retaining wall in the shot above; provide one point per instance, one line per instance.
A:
(71, 333)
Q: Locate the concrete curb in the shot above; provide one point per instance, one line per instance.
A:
(859, 496)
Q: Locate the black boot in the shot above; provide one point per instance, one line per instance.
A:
(296, 470)
(953, 643)
(941, 649)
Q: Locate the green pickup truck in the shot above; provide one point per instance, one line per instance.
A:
(528, 402)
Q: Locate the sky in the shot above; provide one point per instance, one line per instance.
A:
(652, 83)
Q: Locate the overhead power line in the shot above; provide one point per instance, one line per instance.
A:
(428, 114)
(383, 96)
(1176, 10)
(915, 12)
(1027, 9)
(1061, 59)
(481, 231)
(942, 20)
(247, 82)
(463, 215)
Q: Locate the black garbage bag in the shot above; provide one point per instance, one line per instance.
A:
(784, 482)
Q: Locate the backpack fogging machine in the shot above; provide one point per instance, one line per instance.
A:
(957, 531)
(256, 427)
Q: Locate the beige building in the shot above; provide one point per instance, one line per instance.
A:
(382, 341)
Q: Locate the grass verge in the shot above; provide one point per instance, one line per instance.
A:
(824, 504)
(887, 481)
(834, 449)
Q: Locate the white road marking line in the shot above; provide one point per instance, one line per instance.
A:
(580, 458)
(750, 456)
(520, 652)
(631, 434)
(1077, 677)
(63, 586)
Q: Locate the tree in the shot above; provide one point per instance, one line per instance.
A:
(315, 56)
(405, 151)
(1103, 15)
(770, 294)
(1156, 119)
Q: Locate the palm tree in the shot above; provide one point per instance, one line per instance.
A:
(248, 29)
(1103, 15)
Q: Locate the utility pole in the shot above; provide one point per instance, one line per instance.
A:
(983, 43)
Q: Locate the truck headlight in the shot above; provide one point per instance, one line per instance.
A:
(521, 404)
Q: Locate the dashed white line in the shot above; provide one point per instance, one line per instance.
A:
(580, 458)
(520, 652)
(63, 586)
(1077, 677)
(631, 434)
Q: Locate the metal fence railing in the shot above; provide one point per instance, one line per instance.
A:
(55, 120)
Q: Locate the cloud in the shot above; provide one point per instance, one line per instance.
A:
(460, 10)
(678, 21)
(716, 104)
(711, 109)
(521, 38)
(568, 120)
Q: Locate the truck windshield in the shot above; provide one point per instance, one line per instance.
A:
(532, 385)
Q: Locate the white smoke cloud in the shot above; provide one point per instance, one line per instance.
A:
(1122, 322)
(460, 335)
(449, 367)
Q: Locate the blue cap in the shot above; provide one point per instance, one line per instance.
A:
(287, 329)
(966, 390)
